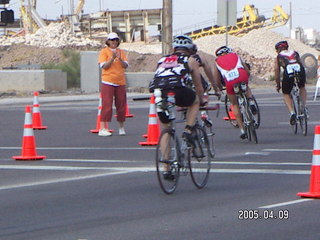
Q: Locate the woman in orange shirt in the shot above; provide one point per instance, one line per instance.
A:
(113, 63)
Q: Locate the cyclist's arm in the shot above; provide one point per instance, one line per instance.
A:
(210, 75)
(277, 74)
(217, 76)
(245, 66)
(196, 77)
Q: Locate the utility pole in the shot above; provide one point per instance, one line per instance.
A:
(290, 20)
(166, 30)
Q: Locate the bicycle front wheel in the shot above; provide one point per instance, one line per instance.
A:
(167, 161)
(199, 158)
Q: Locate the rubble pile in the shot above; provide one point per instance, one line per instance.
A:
(56, 35)
(256, 48)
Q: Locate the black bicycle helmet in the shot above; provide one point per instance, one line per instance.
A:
(282, 44)
(182, 41)
(222, 50)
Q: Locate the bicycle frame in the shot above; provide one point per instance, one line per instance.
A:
(176, 156)
(247, 117)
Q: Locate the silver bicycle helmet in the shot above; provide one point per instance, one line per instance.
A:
(222, 50)
(182, 41)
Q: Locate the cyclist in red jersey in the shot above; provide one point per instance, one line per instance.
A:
(233, 70)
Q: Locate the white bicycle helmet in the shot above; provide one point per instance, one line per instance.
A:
(222, 50)
(182, 41)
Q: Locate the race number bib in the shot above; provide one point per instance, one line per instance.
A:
(291, 68)
(232, 74)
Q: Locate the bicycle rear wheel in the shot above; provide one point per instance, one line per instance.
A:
(295, 102)
(210, 135)
(228, 108)
(167, 160)
(199, 158)
(253, 133)
(303, 121)
(257, 115)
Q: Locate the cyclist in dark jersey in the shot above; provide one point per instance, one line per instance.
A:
(289, 61)
(179, 73)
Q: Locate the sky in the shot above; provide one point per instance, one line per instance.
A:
(186, 14)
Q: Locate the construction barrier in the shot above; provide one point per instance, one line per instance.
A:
(314, 190)
(29, 151)
(153, 132)
(36, 114)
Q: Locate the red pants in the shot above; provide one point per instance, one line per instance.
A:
(118, 93)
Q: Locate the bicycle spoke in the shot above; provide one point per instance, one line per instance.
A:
(303, 122)
(167, 155)
(256, 116)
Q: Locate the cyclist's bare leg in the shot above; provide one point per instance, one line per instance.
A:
(303, 95)
(288, 101)
(248, 93)
(236, 110)
(164, 148)
(192, 113)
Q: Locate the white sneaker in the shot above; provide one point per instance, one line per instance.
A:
(122, 132)
(104, 133)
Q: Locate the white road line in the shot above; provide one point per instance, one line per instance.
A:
(60, 180)
(286, 203)
(263, 163)
(286, 150)
(93, 160)
(152, 169)
(84, 148)
(257, 153)
(214, 162)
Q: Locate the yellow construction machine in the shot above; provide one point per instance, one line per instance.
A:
(249, 21)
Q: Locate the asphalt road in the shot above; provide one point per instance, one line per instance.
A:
(105, 188)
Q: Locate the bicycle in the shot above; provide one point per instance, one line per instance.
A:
(249, 122)
(178, 157)
(232, 120)
(299, 108)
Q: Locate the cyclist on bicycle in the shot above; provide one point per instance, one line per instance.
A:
(289, 61)
(207, 70)
(233, 70)
(179, 73)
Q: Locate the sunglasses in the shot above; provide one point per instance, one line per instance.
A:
(115, 39)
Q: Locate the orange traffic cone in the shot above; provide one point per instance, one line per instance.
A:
(153, 126)
(128, 114)
(231, 114)
(28, 141)
(36, 115)
(152, 110)
(99, 117)
(314, 191)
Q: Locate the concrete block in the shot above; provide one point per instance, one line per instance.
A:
(33, 80)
